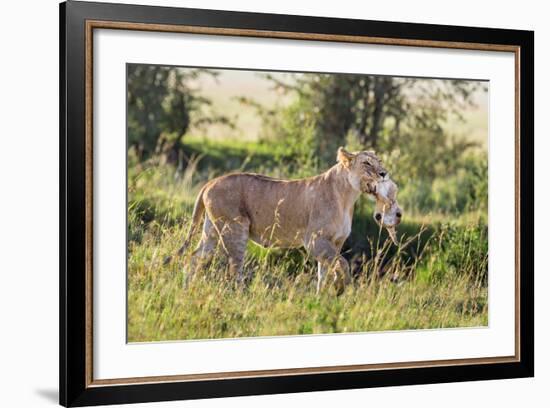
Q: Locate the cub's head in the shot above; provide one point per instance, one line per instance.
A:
(387, 212)
(364, 168)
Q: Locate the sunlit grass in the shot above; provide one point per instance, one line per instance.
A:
(280, 298)
(436, 278)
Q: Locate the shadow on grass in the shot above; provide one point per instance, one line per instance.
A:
(367, 237)
(227, 157)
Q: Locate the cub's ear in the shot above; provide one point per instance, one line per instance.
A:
(344, 157)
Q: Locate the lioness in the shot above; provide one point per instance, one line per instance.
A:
(314, 213)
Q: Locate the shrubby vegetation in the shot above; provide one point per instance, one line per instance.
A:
(436, 277)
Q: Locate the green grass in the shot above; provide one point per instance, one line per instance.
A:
(280, 299)
(436, 278)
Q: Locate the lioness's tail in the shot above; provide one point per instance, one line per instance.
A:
(196, 223)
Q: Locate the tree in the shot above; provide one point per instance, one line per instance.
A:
(162, 106)
(368, 106)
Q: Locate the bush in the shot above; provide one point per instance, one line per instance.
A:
(457, 250)
(464, 190)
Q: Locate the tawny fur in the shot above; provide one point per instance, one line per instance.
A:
(315, 213)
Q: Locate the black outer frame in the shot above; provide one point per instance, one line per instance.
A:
(72, 301)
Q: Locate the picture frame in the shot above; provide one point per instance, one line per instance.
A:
(78, 20)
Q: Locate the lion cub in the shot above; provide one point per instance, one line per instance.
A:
(387, 212)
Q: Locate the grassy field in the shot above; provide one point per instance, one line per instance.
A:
(436, 277)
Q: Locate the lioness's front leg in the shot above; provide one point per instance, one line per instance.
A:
(322, 269)
(328, 256)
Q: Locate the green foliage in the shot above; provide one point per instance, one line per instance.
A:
(371, 107)
(460, 189)
(295, 129)
(162, 105)
(457, 250)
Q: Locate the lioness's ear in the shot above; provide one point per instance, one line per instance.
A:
(344, 157)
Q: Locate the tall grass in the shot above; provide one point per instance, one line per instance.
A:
(436, 277)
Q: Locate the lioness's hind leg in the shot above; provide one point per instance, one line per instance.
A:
(235, 237)
(204, 251)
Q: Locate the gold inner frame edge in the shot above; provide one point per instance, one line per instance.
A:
(101, 24)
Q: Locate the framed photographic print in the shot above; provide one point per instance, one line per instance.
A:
(256, 203)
